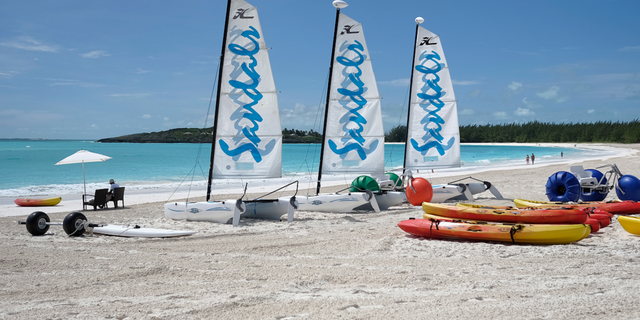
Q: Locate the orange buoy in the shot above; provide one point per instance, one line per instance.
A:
(418, 191)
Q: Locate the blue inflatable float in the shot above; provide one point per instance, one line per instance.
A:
(628, 188)
(563, 186)
(595, 194)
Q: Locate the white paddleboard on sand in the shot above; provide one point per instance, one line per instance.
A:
(137, 231)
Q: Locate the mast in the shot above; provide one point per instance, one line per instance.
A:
(215, 118)
(419, 20)
(338, 4)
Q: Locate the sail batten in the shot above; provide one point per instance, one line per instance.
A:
(433, 137)
(248, 139)
(354, 137)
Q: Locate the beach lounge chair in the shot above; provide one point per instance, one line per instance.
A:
(118, 195)
(99, 199)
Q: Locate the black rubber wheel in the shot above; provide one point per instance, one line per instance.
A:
(73, 224)
(37, 223)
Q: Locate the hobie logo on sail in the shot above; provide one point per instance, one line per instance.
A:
(246, 118)
(425, 41)
(240, 14)
(347, 30)
(431, 94)
(352, 121)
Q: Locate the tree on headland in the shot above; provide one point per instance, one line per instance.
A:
(531, 132)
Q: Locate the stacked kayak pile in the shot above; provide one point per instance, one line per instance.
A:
(555, 225)
(597, 210)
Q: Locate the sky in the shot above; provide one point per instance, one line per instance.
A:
(88, 69)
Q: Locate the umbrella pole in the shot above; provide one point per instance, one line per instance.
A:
(84, 180)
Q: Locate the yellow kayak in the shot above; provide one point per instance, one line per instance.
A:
(442, 227)
(631, 224)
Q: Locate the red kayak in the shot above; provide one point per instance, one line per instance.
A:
(594, 223)
(615, 207)
(604, 219)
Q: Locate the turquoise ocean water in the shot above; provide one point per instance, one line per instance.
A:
(27, 166)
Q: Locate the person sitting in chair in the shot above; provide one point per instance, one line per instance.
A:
(112, 186)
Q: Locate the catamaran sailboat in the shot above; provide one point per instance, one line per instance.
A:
(353, 135)
(433, 137)
(247, 137)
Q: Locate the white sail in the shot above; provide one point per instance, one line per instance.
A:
(433, 136)
(354, 137)
(249, 137)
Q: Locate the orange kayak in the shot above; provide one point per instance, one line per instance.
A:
(26, 202)
(444, 228)
(497, 214)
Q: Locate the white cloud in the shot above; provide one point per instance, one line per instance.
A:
(146, 116)
(515, 86)
(69, 82)
(467, 112)
(141, 71)
(300, 117)
(130, 95)
(397, 83)
(30, 44)
(523, 112)
(500, 115)
(95, 54)
(634, 48)
(591, 110)
(8, 73)
(464, 83)
(553, 93)
(475, 93)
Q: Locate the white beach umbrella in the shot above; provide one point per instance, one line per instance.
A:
(83, 156)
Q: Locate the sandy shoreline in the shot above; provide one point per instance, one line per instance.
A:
(321, 266)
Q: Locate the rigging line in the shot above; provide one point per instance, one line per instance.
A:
(206, 119)
(402, 110)
(309, 145)
(319, 114)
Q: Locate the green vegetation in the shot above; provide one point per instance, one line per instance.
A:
(602, 131)
(300, 136)
(192, 135)
(181, 135)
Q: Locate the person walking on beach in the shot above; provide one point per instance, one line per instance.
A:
(527, 159)
(533, 158)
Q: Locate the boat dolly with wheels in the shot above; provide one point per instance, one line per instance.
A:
(74, 224)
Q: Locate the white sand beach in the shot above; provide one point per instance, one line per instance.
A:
(322, 266)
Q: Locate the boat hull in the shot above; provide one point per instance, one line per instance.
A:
(338, 203)
(386, 200)
(508, 214)
(615, 207)
(212, 211)
(630, 224)
(444, 192)
(266, 209)
(26, 202)
(129, 231)
(443, 228)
